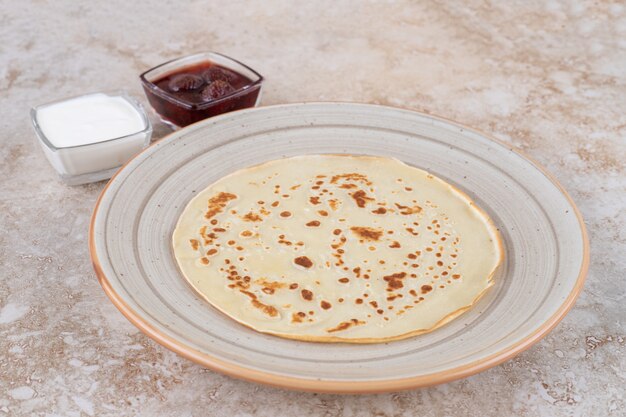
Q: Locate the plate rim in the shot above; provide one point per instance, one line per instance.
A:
(345, 387)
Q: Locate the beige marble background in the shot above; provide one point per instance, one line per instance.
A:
(546, 76)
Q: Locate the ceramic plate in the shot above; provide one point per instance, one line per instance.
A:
(544, 236)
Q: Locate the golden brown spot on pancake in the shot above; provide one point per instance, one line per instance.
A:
(297, 317)
(361, 198)
(353, 176)
(336, 232)
(285, 196)
(394, 281)
(303, 261)
(295, 187)
(426, 289)
(374, 304)
(325, 305)
(314, 200)
(246, 233)
(358, 301)
(357, 271)
(211, 251)
(270, 286)
(194, 244)
(345, 325)
(367, 233)
(231, 242)
(380, 210)
(333, 204)
(213, 222)
(395, 244)
(456, 276)
(412, 231)
(406, 210)
(313, 223)
(217, 203)
(275, 204)
(348, 186)
(252, 217)
(293, 286)
(307, 295)
(219, 229)
(248, 293)
(408, 188)
(285, 214)
(204, 260)
(340, 300)
(413, 293)
(322, 213)
(267, 309)
(344, 280)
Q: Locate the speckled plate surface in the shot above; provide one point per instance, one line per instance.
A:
(544, 237)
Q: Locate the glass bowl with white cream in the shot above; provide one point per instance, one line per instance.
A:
(87, 138)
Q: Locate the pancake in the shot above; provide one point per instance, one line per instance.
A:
(337, 248)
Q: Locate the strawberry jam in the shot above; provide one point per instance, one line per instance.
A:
(198, 91)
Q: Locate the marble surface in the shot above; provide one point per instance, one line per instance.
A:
(548, 77)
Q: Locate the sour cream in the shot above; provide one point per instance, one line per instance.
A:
(87, 138)
(89, 119)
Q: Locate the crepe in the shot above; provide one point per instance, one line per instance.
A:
(337, 248)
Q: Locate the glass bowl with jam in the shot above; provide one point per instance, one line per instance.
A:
(189, 89)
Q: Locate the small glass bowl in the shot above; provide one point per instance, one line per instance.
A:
(177, 112)
(97, 161)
